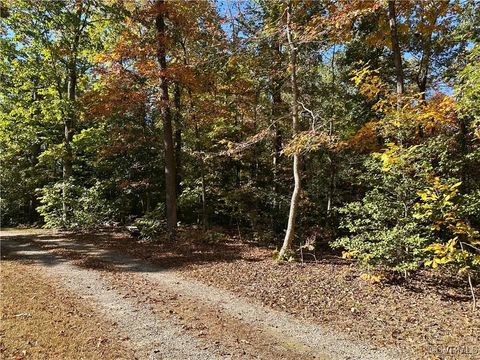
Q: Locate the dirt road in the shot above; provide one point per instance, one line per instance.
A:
(163, 315)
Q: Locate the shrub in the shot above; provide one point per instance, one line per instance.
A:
(379, 234)
(456, 241)
(152, 224)
(409, 217)
(86, 207)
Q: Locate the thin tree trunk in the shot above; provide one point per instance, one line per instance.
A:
(424, 67)
(148, 201)
(237, 167)
(422, 76)
(290, 234)
(170, 195)
(69, 122)
(178, 137)
(68, 134)
(35, 152)
(331, 155)
(198, 147)
(202, 171)
(397, 55)
(275, 89)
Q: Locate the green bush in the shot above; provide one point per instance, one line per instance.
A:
(380, 234)
(87, 208)
(382, 230)
(393, 227)
(152, 224)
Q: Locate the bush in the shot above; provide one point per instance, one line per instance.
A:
(456, 241)
(380, 235)
(382, 230)
(409, 216)
(87, 208)
(152, 224)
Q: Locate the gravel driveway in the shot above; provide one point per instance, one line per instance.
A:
(161, 312)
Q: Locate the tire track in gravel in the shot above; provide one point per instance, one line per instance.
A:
(151, 337)
(270, 333)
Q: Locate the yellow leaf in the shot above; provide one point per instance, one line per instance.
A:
(348, 254)
(372, 278)
(456, 185)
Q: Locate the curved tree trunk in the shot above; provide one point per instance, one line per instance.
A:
(292, 217)
(276, 94)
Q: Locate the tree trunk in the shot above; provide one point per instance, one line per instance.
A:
(397, 55)
(35, 149)
(202, 174)
(422, 76)
(68, 134)
(290, 234)
(170, 195)
(67, 168)
(198, 147)
(424, 67)
(275, 89)
(201, 168)
(331, 154)
(178, 138)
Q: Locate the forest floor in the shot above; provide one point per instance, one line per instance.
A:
(109, 295)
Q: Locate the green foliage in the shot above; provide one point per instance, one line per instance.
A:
(405, 217)
(368, 154)
(382, 229)
(87, 207)
(470, 205)
(289, 256)
(456, 241)
(214, 236)
(152, 224)
(468, 90)
(409, 216)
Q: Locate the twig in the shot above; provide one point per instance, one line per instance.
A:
(314, 118)
(301, 252)
(472, 291)
(473, 247)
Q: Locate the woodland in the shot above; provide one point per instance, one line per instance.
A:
(306, 126)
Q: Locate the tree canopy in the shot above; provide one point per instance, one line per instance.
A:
(349, 123)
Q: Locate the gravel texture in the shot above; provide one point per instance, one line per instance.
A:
(155, 336)
(150, 336)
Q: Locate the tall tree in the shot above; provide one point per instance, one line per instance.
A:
(169, 151)
(78, 18)
(61, 37)
(292, 216)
